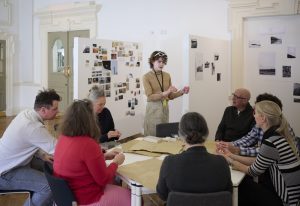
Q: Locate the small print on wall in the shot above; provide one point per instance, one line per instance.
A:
(266, 63)
(194, 43)
(286, 71)
(276, 40)
(254, 44)
(296, 92)
(291, 52)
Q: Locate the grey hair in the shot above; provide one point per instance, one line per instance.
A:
(96, 92)
(193, 128)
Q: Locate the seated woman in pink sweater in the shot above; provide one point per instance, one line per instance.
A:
(79, 160)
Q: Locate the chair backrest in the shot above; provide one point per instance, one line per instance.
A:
(167, 129)
(223, 198)
(61, 191)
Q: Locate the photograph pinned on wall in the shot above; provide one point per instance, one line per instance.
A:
(138, 64)
(107, 87)
(296, 91)
(132, 113)
(254, 44)
(130, 75)
(127, 64)
(266, 63)
(136, 101)
(198, 66)
(297, 100)
(129, 103)
(194, 43)
(95, 48)
(138, 85)
(95, 80)
(116, 98)
(107, 93)
(89, 80)
(213, 68)
(216, 57)
(104, 51)
(130, 52)
(286, 71)
(86, 50)
(106, 65)
(218, 77)
(137, 80)
(206, 65)
(276, 40)
(120, 97)
(87, 63)
(114, 67)
(107, 79)
(291, 52)
(101, 80)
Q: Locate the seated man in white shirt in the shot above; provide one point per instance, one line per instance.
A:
(25, 138)
(249, 144)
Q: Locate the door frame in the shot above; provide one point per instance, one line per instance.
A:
(75, 16)
(10, 51)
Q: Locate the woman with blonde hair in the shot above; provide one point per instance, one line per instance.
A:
(79, 160)
(277, 156)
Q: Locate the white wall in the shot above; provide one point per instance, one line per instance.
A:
(157, 24)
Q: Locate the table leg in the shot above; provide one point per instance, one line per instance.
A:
(133, 196)
(138, 193)
(235, 196)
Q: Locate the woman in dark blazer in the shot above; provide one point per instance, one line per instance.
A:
(194, 170)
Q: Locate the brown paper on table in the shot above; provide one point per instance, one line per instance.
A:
(210, 146)
(144, 172)
(164, 147)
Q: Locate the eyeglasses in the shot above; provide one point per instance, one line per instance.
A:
(237, 97)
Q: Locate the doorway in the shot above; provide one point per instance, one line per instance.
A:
(2, 77)
(60, 63)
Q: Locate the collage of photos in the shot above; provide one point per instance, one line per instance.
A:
(106, 64)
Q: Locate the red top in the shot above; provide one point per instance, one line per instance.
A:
(80, 161)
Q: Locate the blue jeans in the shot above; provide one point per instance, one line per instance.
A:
(27, 178)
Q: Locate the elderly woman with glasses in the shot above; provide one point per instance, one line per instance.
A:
(277, 156)
(194, 170)
(159, 90)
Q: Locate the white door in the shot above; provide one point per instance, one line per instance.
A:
(60, 64)
(2, 77)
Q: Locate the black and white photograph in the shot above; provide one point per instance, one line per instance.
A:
(198, 66)
(86, 50)
(286, 71)
(89, 80)
(206, 65)
(213, 68)
(291, 52)
(216, 57)
(254, 44)
(120, 97)
(276, 40)
(266, 63)
(107, 93)
(106, 65)
(193, 43)
(114, 67)
(218, 77)
(296, 91)
(297, 100)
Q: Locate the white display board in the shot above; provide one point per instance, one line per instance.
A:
(116, 66)
(209, 79)
(272, 61)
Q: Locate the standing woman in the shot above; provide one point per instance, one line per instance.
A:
(79, 160)
(159, 90)
(277, 156)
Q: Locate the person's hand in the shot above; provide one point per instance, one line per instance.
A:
(47, 158)
(167, 92)
(119, 159)
(185, 90)
(228, 145)
(112, 134)
(111, 154)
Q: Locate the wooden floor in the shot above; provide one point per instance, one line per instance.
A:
(17, 200)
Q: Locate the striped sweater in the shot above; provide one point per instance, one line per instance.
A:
(276, 155)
